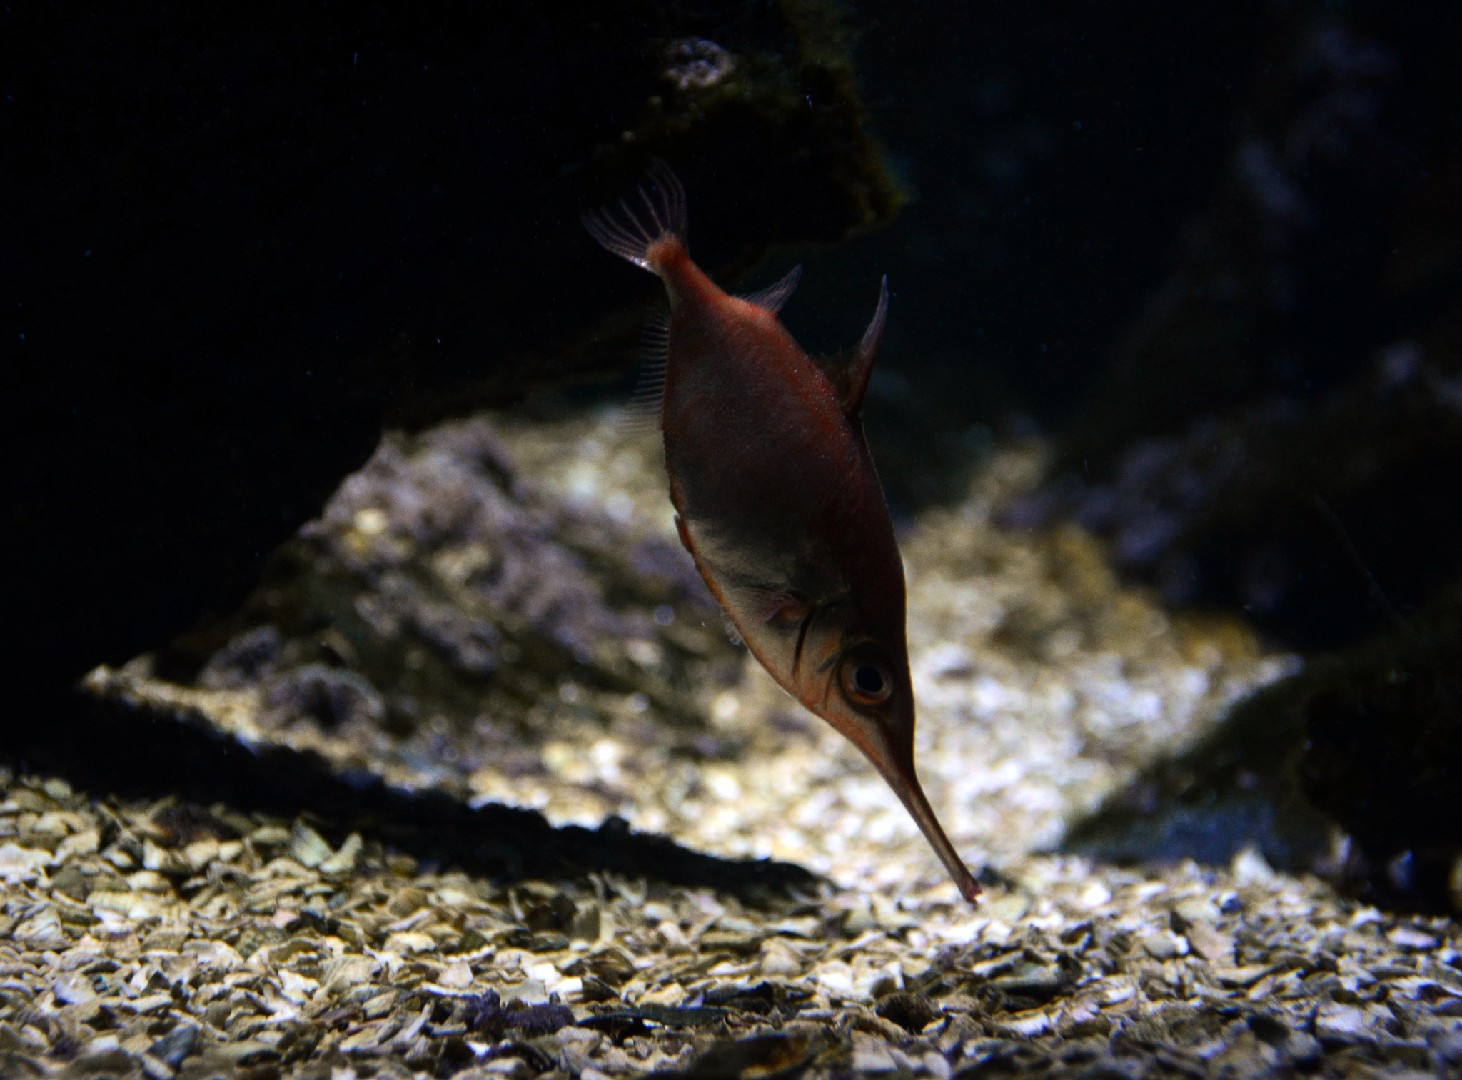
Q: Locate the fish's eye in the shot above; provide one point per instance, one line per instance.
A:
(866, 679)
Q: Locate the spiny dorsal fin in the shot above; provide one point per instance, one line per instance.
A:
(774, 296)
(849, 374)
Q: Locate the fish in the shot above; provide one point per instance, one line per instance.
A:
(776, 496)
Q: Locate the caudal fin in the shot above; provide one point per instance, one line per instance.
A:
(630, 228)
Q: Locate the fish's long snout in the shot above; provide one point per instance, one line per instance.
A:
(889, 745)
(906, 786)
(873, 707)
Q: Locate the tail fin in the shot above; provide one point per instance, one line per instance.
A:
(621, 229)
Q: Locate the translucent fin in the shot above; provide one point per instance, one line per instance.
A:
(849, 375)
(781, 608)
(647, 406)
(630, 227)
(774, 296)
(862, 365)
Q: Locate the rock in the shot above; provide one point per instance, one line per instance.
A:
(1342, 1024)
(1366, 741)
(1165, 945)
(911, 1011)
(1277, 430)
(1383, 754)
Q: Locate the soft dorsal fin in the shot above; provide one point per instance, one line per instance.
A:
(647, 407)
(774, 296)
(849, 374)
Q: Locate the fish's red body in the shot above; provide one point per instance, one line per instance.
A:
(777, 498)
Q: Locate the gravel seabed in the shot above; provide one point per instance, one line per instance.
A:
(163, 939)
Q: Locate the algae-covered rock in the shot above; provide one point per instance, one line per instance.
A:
(1276, 429)
(1383, 755)
(1318, 520)
(1348, 767)
(465, 623)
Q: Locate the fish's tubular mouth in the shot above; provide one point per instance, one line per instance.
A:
(911, 794)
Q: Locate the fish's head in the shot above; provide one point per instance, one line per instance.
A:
(851, 668)
(860, 685)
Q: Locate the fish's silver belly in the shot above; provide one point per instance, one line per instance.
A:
(756, 482)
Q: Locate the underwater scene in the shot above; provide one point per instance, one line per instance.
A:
(734, 540)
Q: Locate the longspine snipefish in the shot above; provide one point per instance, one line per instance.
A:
(776, 496)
